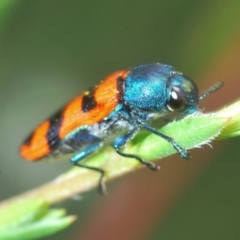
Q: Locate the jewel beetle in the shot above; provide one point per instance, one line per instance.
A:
(113, 112)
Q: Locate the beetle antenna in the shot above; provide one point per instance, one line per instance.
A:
(210, 90)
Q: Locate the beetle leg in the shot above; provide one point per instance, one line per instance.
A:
(183, 152)
(85, 153)
(121, 141)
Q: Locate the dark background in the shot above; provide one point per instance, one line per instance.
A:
(53, 50)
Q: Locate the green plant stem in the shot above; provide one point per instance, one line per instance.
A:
(190, 132)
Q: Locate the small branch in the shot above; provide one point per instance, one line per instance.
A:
(190, 132)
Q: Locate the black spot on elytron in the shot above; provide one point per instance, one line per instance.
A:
(53, 131)
(28, 140)
(120, 87)
(52, 134)
(88, 102)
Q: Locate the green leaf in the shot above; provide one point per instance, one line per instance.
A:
(190, 132)
(31, 219)
(232, 129)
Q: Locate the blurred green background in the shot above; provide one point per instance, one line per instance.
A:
(53, 50)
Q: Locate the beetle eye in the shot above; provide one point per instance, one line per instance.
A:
(178, 100)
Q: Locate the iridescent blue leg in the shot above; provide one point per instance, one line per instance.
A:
(85, 153)
(183, 152)
(121, 142)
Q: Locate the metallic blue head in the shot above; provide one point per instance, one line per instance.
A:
(182, 95)
(159, 88)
